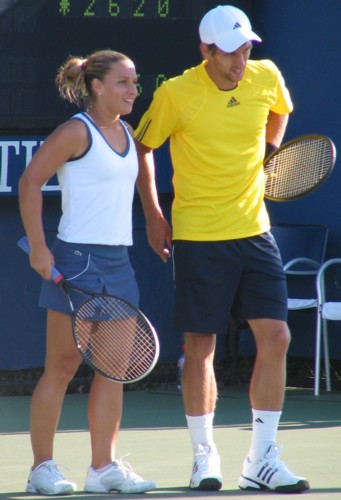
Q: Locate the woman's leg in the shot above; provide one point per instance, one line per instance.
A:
(104, 412)
(62, 361)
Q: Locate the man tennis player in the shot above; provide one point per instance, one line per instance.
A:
(219, 116)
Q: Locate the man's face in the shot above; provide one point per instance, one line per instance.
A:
(226, 69)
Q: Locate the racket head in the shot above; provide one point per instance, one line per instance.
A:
(115, 338)
(299, 167)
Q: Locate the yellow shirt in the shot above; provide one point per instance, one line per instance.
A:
(217, 145)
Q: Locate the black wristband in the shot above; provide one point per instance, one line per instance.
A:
(269, 148)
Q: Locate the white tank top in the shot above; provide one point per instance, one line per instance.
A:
(97, 191)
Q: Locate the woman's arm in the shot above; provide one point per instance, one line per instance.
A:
(67, 141)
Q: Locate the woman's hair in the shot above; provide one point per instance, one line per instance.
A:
(74, 77)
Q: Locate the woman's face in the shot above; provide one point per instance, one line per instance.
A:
(118, 90)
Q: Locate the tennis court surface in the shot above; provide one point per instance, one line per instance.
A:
(157, 443)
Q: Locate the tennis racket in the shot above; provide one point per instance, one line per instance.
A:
(299, 167)
(114, 337)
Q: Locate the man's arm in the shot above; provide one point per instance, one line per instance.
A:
(159, 233)
(275, 130)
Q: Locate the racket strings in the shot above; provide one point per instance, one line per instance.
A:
(298, 168)
(115, 338)
(115, 352)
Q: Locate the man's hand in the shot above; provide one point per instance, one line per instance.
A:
(159, 236)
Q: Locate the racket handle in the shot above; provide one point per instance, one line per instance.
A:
(24, 245)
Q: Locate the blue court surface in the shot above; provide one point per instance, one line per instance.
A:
(156, 443)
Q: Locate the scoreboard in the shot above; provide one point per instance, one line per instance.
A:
(36, 37)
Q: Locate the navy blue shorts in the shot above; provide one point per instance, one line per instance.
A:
(214, 281)
(114, 276)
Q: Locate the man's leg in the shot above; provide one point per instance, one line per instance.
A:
(200, 394)
(268, 380)
(269, 374)
(262, 468)
(198, 378)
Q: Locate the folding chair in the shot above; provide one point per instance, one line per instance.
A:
(303, 249)
(328, 284)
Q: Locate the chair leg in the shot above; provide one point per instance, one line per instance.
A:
(326, 355)
(317, 355)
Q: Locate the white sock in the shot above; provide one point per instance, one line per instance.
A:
(102, 469)
(201, 429)
(264, 431)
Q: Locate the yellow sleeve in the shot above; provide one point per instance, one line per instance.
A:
(160, 121)
(283, 104)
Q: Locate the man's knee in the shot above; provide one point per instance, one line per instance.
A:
(199, 346)
(271, 336)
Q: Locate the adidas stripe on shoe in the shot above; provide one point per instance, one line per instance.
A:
(271, 474)
(206, 469)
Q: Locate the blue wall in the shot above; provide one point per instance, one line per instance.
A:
(303, 37)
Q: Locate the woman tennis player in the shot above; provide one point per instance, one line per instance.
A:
(95, 160)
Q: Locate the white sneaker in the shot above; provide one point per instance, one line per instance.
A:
(47, 480)
(118, 477)
(206, 469)
(270, 473)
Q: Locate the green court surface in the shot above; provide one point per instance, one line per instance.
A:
(157, 444)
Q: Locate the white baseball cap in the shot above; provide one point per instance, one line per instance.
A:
(227, 27)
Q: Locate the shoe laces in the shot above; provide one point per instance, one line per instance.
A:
(54, 472)
(272, 456)
(202, 450)
(126, 468)
(204, 456)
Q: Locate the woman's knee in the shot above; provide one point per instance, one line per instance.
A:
(63, 369)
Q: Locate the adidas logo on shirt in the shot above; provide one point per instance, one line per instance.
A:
(232, 102)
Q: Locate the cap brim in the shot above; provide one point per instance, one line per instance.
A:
(236, 40)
